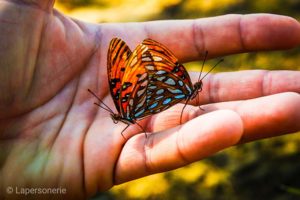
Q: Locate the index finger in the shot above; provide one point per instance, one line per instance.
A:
(223, 35)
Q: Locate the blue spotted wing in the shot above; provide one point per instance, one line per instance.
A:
(169, 82)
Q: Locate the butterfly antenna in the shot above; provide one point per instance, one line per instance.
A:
(212, 68)
(107, 108)
(206, 52)
(101, 107)
(199, 79)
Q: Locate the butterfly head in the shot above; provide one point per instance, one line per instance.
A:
(197, 89)
(115, 117)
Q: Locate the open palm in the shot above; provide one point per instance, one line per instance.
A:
(52, 135)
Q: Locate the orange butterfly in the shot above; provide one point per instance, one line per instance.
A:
(146, 81)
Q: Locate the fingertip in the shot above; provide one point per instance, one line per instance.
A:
(231, 125)
(295, 24)
(215, 131)
(270, 32)
(270, 116)
(292, 29)
(290, 114)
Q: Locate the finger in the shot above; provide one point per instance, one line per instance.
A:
(241, 85)
(262, 117)
(179, 146)
(223, 35)
(43, 5)
(266, 116)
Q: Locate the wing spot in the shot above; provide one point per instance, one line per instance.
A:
(152, 87)
(144, 83)
(182, 96)
(189, 89)
(180, 83)
(140, 104)
(114, 82)
(157, 58)
(126, 85)
(117, 95)
(160, 91)
(150, 67)
(160, 72)
(176, 69)
(142, 78)
(167, 100)
(141, 92)
(144, 49)
(134, 61)
(154, 105)
(131, 102)
(175, 91)
(170, 81)
(139, 113)
(162, 78)
(159, 97)
(146, 59)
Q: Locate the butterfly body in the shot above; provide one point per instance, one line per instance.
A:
(117, 118)
(197, 88)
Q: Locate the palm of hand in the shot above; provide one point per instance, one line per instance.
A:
(52, 134)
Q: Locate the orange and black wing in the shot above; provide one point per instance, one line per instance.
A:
(169, 82)
(134, 85)
(117, 56)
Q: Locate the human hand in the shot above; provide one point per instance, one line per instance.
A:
(52, 135)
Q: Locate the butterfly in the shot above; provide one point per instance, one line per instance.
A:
(145, 81)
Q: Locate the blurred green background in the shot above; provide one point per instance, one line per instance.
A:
(266, 169)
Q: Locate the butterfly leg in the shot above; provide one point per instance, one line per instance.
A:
(184, 108)
(142, 128)
(124, 130)
(186, 102)
(199, 103)
(201, 108)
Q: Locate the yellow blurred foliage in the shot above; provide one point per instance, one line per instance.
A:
(191, 172)
(119, 11)
(208, 5)
(215, 177)
(195, 171)
(61, 8)
(158, 184)
(290, 147)
(144, 187)
(290, 144)
(266, 4)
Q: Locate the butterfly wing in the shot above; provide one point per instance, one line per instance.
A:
(117, 56)
(169, 82)
(164, 59)
(152, 81)
(134, 85)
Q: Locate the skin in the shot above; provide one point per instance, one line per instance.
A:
(51, 134)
